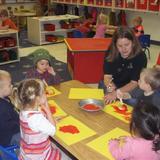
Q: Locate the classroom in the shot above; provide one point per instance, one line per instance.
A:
(79, 79)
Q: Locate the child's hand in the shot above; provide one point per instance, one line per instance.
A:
(51, 70)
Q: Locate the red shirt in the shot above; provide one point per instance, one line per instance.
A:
(10, 23)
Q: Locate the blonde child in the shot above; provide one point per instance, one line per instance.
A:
(9, 118)
(36, 122)
(144, 144)
(148, 90)
(6, 22)
(42, 69)
(138, 27)
(102, 26)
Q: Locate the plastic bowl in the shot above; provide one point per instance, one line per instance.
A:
(91, 105)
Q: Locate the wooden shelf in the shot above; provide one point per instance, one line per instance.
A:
(14, 34)
(37, 34)
(112, 7)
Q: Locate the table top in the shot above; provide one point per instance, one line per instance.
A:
(24, 14)
(88, 44)
(100, 122)
(56, 18)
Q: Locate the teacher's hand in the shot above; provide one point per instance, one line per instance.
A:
(110, 97)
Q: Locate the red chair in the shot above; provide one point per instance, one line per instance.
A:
(145, 43)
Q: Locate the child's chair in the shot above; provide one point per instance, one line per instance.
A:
(9, 153)
(145, 43)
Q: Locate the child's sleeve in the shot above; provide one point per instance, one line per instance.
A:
(121, 151)
(55, 79)
(39, 123)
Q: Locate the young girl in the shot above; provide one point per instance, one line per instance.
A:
(148, 88)
(102, 26)
(145, 142)
(138, 27)
(36, 122)
(42, 67)
(6, 22)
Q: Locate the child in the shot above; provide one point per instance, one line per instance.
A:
(138, 27)
(102, 26)
(9, 119)
(36, 122)
(42, 67)
(149, 88)
(6, 22)
(145, 142)
(86, 27)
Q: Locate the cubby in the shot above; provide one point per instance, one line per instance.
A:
(9, 46)
(37, 33)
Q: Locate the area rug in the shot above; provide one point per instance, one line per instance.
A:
(18, 69)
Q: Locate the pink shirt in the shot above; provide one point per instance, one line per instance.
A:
(133, 149)
(100, 31)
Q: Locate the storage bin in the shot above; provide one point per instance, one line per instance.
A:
(10, 42)
(49, 27)
(51, 38)
(2, 43)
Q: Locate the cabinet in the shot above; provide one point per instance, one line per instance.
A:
(133, 5)
(16, 1)
(85, 62)
(9, 46)
(37, 33)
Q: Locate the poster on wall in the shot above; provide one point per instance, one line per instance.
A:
(129, 3)
(108, 2)
(154, 5)
(119, 3)
(142, 4)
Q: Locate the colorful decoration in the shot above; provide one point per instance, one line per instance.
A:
(51, 91)
(101, 143)
(71, 131)
(55, 109)
(121, 111)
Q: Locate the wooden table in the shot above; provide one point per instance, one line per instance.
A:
(85, 58)
(99, 121)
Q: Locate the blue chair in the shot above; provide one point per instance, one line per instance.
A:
(9, 153)
(77, 34)
(145, 43)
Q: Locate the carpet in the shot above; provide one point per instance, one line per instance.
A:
(19, 69)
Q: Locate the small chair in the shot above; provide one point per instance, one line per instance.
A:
(145, 43)
(9, 153)
(77, 34)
